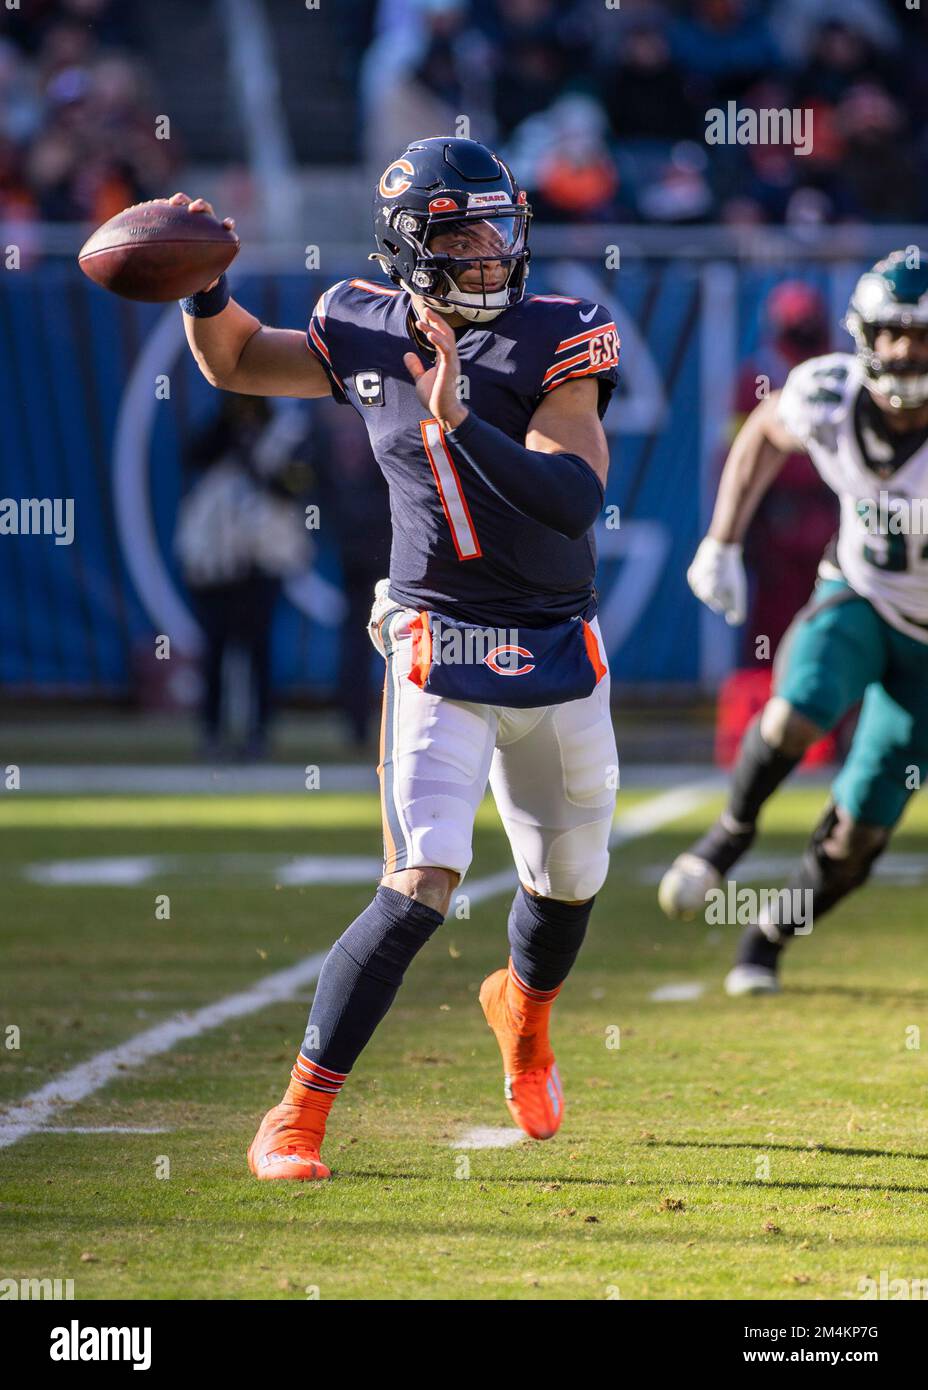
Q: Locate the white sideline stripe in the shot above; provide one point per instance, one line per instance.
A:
(485, 1137)
(107, 1129)
(131, 870)
(677, 994)
(182, 779)
(33, 1113)
(329, 868)
(125, 871)
(270, 778)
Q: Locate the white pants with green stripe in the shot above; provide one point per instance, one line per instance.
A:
(553, 774)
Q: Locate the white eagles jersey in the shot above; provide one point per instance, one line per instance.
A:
(883, 538)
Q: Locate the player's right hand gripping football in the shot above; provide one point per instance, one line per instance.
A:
(196, 205)
(717, 577)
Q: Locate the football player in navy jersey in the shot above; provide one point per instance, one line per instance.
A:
(483, 405)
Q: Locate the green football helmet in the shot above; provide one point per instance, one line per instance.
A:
(894, 294)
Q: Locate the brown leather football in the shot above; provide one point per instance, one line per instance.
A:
(157, 252)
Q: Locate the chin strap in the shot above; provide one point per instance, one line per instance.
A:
(477, 312)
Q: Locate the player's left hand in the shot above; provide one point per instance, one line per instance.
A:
(717, 577)
(437, 386)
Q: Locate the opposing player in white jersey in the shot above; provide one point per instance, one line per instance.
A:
(863, 420)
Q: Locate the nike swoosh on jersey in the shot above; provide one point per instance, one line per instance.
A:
(586, 317)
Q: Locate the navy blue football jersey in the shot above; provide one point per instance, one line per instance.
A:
(457, 547)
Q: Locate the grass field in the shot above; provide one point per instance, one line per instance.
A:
(774, 1148)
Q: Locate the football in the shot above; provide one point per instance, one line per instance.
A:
(157, 252)
(683, 889)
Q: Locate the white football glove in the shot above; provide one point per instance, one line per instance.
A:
(717, 577)
(383, 604)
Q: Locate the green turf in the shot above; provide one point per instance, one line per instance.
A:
(124, 735)
(655, 1186)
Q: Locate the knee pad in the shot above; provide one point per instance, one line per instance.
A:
(443, 843)
(569, 865)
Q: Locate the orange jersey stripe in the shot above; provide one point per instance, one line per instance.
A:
(582, 371)
(590, 333)
(319, 343)
(372, 288)
(568, 362)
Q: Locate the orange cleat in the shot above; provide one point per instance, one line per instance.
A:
(532, 1084)
(285, 1146)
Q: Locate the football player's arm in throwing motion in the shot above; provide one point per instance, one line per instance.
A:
(759, 451)
(558, 476)
(236, 352)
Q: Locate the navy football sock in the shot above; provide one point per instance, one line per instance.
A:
(820, 881)
(545, 937)
(359, 981)
(758, 772)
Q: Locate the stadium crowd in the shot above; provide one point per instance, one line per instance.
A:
(77, 125)
(601, 107)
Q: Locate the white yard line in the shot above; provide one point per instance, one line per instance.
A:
(658, 810)
(180, 779)
(485, 1137)
(680, 993)
(35, 1111)
(130, 870)
(107, 1129)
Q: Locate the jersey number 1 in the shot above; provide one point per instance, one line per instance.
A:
(453, 501)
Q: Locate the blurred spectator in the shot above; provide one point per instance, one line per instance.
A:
(645, 93)
(563, 157)
(427, 66)
(20, 105)
(839, 57)
(795, 23)
(542, 47)
(77, 129)
(239, 534)
(680, 192)
(724, 45)
(879, 172)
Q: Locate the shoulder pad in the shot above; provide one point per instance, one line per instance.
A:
(818, 394)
